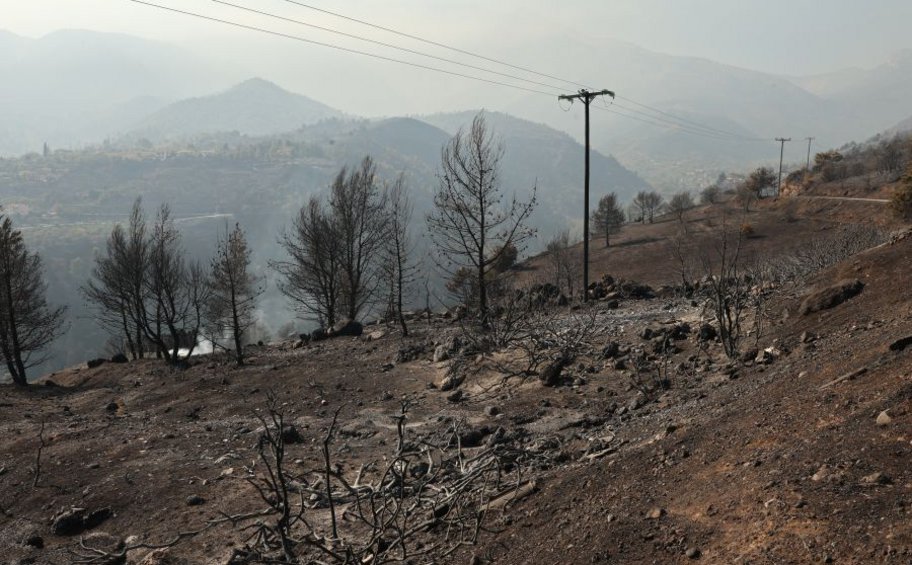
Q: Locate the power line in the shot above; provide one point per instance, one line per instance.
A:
(338, 47)
(435, 43)
(691, 129)
(684, 121)
(667, 125)
(494, 60)
(384, 44)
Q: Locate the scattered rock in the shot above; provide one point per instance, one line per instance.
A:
(375, 335)
(453, 344)
(441, 354)
(692, 553)
(749, 354)
(883, 419)
(767, 356)
(655, 513)
(636, 402)
(347, 328)
(551, 374)
(195, 500)
(831, 296)
(491, 411)
(97, 517)
(94, 363)
(455, 396)
(822, 473)
(290, 434)
(876, 478)
(69, 522)
(663, 345)
(901, 343)
(763, 358)
(679, 331)
(611, 350)
(807, 337)
(707, 332)
(473, 438)
(451, 382)
(636, 290)
(34, 540)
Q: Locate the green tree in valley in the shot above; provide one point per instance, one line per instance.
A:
(608, 217)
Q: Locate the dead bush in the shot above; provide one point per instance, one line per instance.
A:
(820, 253)
(421, 503)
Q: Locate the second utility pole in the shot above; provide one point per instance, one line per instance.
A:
(587, 98)
(781, 140)
(810, 139)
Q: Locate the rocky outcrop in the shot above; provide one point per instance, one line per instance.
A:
(831, 296)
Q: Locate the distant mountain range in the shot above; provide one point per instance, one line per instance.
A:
(73, 88)
(254, 107)
(755, 106)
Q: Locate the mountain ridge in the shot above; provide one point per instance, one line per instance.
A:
(254, 106)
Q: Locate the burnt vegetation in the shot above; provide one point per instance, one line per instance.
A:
(327, 479)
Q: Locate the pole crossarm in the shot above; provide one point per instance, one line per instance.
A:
(587, 97)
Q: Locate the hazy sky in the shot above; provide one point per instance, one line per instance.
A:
(779, 36)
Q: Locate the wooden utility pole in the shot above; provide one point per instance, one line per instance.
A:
(809, 140)
(782, 141)
(587, 97)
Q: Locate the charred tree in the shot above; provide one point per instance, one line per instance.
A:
(469, 221)
(27, 323)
